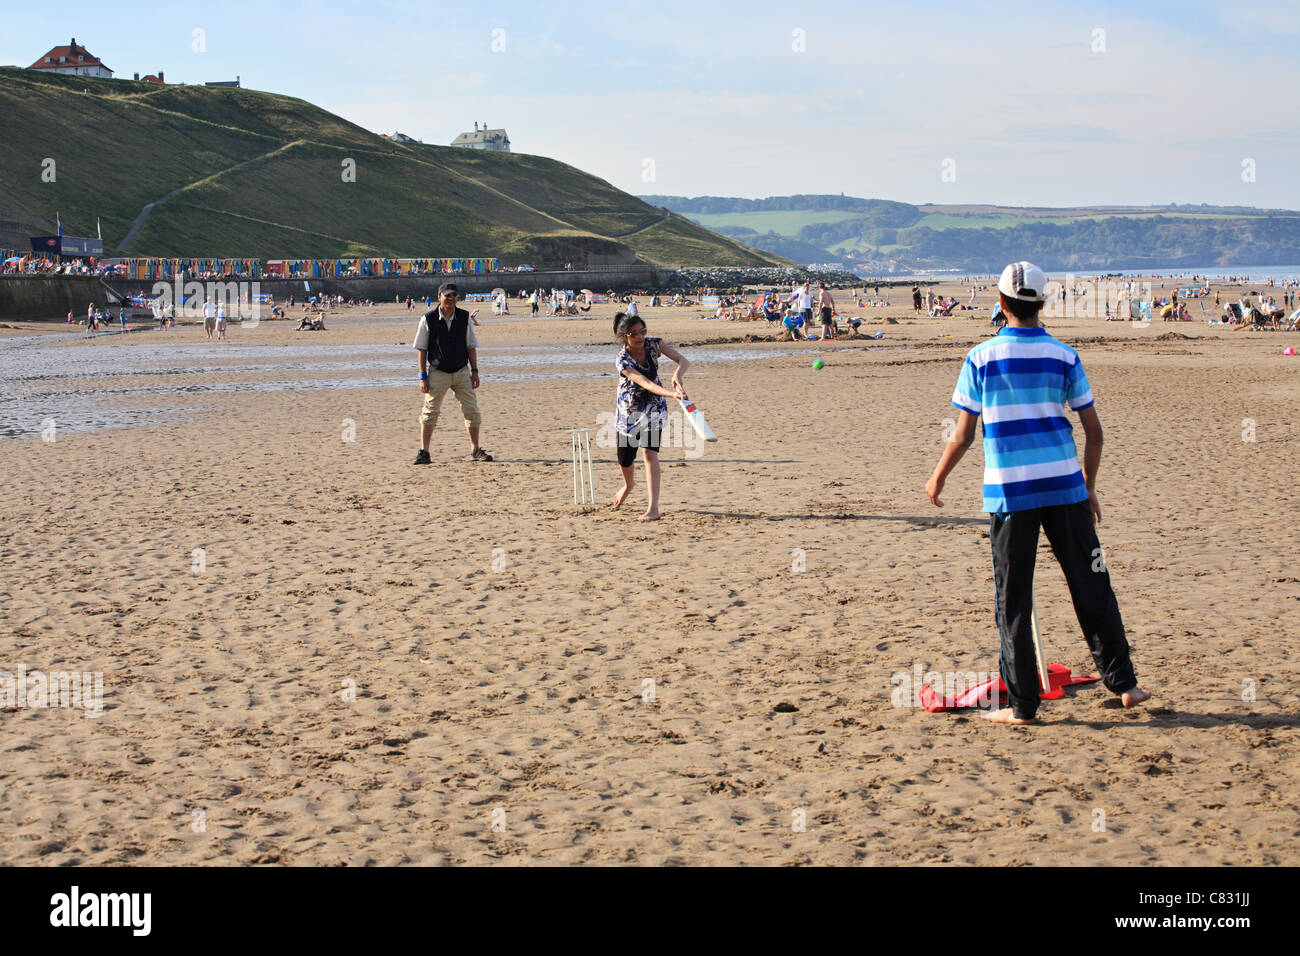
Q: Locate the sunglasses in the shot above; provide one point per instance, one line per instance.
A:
(639, 333)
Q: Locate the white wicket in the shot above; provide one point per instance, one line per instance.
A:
(583, 484)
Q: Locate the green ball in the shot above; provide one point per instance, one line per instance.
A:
(818, 363)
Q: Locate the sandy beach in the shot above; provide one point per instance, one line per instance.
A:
(315, 653)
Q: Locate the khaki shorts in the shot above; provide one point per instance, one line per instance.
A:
(459, 384)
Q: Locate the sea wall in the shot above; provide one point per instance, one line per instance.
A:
(49, 297)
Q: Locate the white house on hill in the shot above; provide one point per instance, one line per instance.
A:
(484, 138)
(72, 59)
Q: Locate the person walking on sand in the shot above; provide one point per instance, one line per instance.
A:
(221, 322)
(642, 409)
(1021, 381)
(209, 318)
(448, 360)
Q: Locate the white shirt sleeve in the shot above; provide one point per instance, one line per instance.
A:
(471, 340)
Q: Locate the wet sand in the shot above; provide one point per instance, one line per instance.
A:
(378, 663)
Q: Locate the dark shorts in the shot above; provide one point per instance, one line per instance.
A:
(628, 445)
(826, 315)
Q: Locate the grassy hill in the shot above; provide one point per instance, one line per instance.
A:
(875, 235)
(235, 172)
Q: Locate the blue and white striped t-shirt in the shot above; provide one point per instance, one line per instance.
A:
(1021, 381)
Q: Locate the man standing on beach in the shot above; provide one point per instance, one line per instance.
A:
(826, 309)
(448, 359)
(1021, 381)
(209, 318)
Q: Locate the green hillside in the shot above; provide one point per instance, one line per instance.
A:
(873, 235)
(236, 172)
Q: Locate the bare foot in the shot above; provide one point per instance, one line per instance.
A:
(1131, 698)
(1007, 716)
(650, 516)
(621, 497)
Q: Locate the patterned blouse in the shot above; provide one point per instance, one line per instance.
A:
(637, 408)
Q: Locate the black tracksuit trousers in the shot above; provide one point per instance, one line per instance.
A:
(1070, 531)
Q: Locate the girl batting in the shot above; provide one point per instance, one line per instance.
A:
(642, 409)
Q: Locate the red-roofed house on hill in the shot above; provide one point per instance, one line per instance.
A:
(72, 59)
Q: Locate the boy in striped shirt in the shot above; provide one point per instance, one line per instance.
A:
(1021, 381)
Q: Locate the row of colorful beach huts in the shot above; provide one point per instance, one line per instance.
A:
(151, 269)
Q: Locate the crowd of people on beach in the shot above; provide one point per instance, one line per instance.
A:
(13, 264)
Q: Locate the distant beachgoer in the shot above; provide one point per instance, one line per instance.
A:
(826, 304)
(916, 298)
(642, 410)
(793, 324)
(533, 302)
(221, 322)
(209, 318)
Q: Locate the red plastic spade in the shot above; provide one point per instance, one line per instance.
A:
(1059, 676)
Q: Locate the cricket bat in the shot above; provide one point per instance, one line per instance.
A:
(696, 419)
(1039, 654)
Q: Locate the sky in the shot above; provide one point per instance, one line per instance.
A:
(1024, 104)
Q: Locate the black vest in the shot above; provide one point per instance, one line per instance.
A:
(448, 351)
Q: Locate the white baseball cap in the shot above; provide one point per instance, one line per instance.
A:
(1024, 281)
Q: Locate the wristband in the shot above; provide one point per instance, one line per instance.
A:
(474, 369)
(424, 376)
